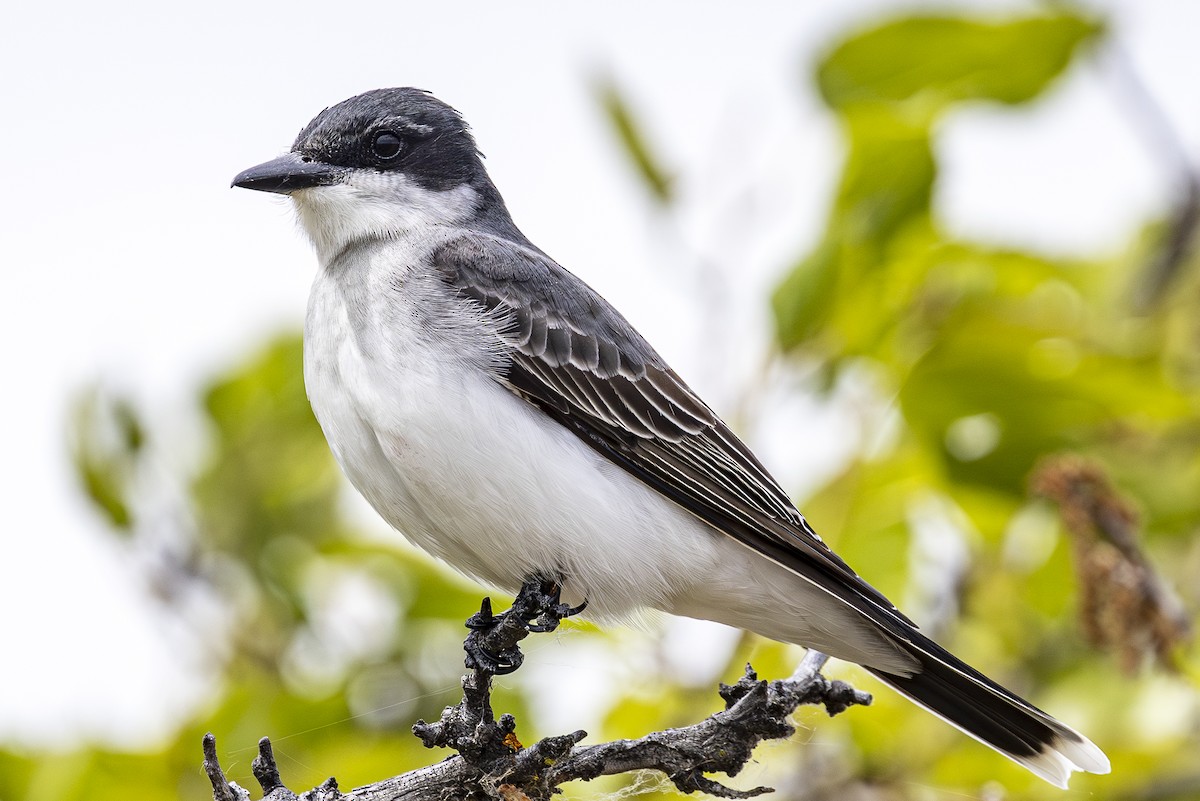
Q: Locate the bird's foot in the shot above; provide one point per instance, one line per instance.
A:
(483, 651)
(492, 644)
(548, 598)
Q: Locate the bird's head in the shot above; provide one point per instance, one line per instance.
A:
(379, 165)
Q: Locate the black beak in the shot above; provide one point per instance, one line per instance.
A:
(288, 173)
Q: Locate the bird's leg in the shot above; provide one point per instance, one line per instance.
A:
(492, 644)
(554, 611)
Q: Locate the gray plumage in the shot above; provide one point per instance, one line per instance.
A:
(503, 416)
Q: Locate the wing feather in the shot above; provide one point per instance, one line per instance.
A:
(574, 356)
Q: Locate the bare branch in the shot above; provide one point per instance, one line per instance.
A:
(223, 789)
(492, 764)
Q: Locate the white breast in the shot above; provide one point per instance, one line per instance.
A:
(461, 466)
(402, 377)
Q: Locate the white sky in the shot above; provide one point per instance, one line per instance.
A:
(127, 258)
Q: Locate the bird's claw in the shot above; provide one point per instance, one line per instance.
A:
(538, 608)
(501, 663)
(483, 619)
(555, 614)
(549, 609)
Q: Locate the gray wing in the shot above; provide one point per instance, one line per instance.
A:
(576, 358)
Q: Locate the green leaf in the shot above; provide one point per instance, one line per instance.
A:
(804, 299)
(271, 472)
(107, 439)
(1042, 383)
(888, 177)
(934, 61)
(634, 141)
(885, 193)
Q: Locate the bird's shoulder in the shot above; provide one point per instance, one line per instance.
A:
(569, 345)
(556, 315)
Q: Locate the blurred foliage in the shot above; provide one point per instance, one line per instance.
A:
(107, 439)
(633, 140)
(935, 61)
(994, 360)
(985, 361)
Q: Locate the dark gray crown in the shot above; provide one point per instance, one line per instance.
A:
(437, 148)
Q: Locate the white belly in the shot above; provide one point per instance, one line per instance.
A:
(480, 478)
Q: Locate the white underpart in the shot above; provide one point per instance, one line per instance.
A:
(401, 376)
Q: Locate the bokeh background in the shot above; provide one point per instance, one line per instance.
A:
(935, 263)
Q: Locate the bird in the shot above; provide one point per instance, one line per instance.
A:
(507, 419)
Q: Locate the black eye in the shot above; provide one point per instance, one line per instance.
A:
(386, 145)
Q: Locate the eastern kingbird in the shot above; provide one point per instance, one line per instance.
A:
(504, 417)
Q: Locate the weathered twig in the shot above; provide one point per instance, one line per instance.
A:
(223, 789)
(492, 764)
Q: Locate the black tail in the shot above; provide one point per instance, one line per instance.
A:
(966, 698)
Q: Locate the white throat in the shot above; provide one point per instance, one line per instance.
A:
(371, 205)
